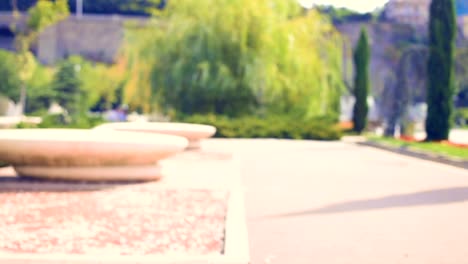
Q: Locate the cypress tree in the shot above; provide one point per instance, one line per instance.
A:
(361, 82)
(441, 69)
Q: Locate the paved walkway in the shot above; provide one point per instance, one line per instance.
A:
(336, 203)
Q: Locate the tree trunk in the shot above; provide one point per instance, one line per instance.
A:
(22, 100)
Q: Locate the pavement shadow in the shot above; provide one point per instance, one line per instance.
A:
(432, 197)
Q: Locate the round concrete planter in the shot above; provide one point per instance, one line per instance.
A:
(74, 154)
(9, 121)
(193, 132)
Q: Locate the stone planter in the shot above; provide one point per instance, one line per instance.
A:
(9, 121)
(91, 155)
(193, 132)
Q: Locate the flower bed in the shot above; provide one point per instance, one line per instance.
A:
(443, 148)
(443, 142)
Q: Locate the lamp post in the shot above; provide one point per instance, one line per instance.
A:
(79, 8)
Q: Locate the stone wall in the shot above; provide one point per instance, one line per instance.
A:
(383, 37)
(463, 26)
(94, 38)
(413, 12)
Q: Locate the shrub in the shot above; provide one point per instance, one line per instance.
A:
(81, 122)
(64, 121)
(40, 93)
(10, 81)
(3, 164)
(68, 87)
(272, 127)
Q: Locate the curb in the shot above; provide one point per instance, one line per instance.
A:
(460, 163)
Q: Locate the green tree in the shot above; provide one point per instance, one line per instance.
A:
(68, 87)
(43, 14)
(46, 13)
(361, 82)
(40, 90)
(9, 79)
(441, 69)
(237, 57)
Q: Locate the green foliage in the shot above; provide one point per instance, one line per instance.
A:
(137, 64)
(361, 82)
(441, 69)
(24, 125)
(98, 84)
(46, 13)
(40, 91)
(68, 89)
(64, 121)
(237, 57)
(9, 79)
(461, 115)
(42, 14)
(344, 15)
(80, 86)
(434, 148)
(282, 127)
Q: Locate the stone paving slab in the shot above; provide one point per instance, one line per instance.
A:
(130, 220)
(339, 203)
(199, 187)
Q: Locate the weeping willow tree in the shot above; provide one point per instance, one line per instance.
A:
(136, 60)
(237, 57)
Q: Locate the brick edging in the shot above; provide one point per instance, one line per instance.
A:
(418, 154)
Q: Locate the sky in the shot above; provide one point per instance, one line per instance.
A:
(356, 5)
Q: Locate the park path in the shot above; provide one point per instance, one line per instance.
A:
(335, 203)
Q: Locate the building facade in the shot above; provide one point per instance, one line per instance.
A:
(412, 12)
(417, 12)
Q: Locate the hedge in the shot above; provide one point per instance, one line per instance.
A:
(63, 121)
(271, 127)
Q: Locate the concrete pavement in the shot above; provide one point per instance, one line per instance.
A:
(336, 203)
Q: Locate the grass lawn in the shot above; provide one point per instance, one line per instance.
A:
(435, 148)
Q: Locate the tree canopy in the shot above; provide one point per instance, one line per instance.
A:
(10, 79)
(238, 57)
